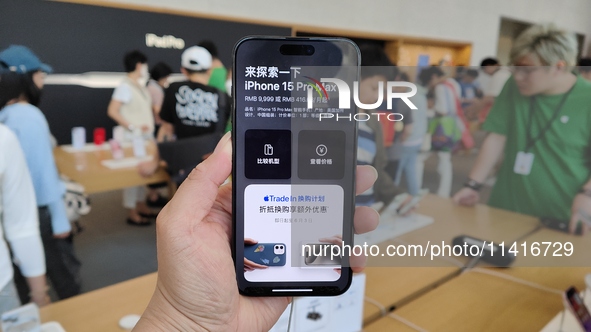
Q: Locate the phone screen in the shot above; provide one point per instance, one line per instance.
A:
(294, 164)
(579, 309)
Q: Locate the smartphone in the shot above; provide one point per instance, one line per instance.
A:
(561, 225)
(293, 166)
(576, 305)
(268, 254)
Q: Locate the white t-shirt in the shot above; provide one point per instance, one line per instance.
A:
(491, 85)
(18, 213)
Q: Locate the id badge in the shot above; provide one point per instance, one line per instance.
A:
(523, 163)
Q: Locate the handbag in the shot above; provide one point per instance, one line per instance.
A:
(77, 202)
(445, 133)
(466, 135)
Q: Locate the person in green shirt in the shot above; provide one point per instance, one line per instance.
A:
(541, 125)
(219, 73)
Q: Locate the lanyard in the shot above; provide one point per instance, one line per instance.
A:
(531, 141)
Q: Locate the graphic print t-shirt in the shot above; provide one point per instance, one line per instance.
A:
(195, 109)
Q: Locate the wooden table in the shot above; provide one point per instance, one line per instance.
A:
(481, 221)
(394, 281)
(450, 221)
(433, 297)
(476, 302)
(86, 168)
(100, 310)
(552, 271)
(392, 287)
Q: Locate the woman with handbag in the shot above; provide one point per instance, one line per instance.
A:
(446, 127)
(21, 83)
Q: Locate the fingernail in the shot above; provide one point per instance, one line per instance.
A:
(375, 172)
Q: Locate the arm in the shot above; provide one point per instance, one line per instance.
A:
(114, 112)
(157, 97)
(60, 224)
(491, 151)
(20, 220)
(38, 287)
(148, 168)
(581, 210)
(166, 132)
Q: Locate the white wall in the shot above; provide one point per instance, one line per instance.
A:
(474, 21)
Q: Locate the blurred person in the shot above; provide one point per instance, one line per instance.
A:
(412, 140)
(584, 68)
(375, 68)
(158, 82)
(221, 78)
(470, 90)
(19, 226)
(131, 108)
(425, 150)
(20, 83)
(491, 79)
(192, 108)
(196, 288)
(219, 73)
(20, 59)
(229, 82)
(539, 125)
(395, 133)
(459, 73)
(229, 92)
(446, 127)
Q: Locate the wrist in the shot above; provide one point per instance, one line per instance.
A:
(160, 315)
(473, 184)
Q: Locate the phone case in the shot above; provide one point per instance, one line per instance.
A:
(269, 254)
(578, 309)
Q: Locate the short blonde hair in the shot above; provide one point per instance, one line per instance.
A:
(548, 42)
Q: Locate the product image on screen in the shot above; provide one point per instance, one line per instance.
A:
(268, 254)
(294, 164)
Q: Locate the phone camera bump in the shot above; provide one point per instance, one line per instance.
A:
(279, 249)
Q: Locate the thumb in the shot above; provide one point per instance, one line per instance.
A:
(198, 192)
(574, 220)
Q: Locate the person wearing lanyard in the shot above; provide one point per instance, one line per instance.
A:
(540, 125)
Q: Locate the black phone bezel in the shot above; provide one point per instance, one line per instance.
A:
(317, 288)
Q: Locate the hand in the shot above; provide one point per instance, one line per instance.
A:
(196, 288)
(580, 209)
(406, 201)
(248, 264)
(64, 235)
(205, 156)
(40, 299)
(467, 197)
(147, 168)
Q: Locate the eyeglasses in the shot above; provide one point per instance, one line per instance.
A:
(525, 70)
